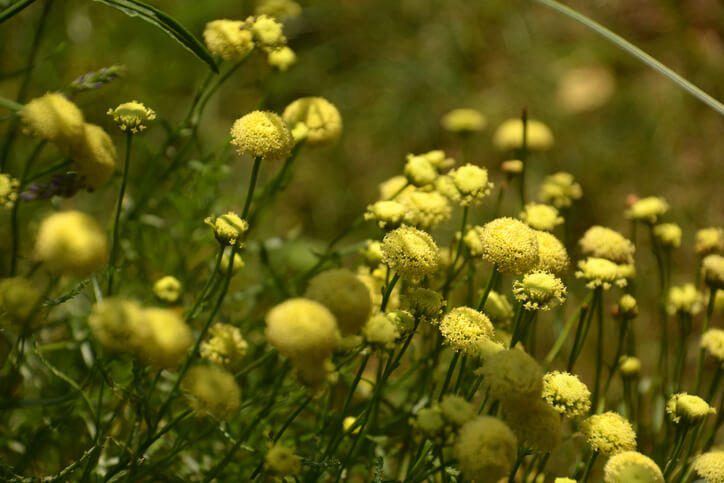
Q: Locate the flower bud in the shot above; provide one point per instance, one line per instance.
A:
(321, 117)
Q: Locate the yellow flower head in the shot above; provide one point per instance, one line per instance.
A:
(18, 300)
(380, 330)
(498, 308)
(419, 171)
(372, 253)
(348, 423)
(238, 262)
(393, 186)
(71, 242)
(278, 8)
(463, 328)
(321, 117)
(473, 242)
(438, 159)
(629, 366)
(118, 324)
(472, 183)
(429, 421)
(668, 235)
(509, 135)
(600, 272)
(225, 346)
(485, 449)
(463, 120)
(628, 307)
(281, 461)
(403, 320)
(94, 156)
(282, 59)
(712, 267)
(301, 328)
(410, 252)
(344, 295)
(445, 185)
(552, 254)
(262, 134)
(710, 466)
(424, 304)
(212, 391)
(586, 88)
(648, 209)
(632, 467)
(609, 433)
(566, 393)
(688, 409)
(167, 289)
(560, 189)
(510, 244)
(54, 118)
(228, 228)
(167, 340)
(512, 167)
(425, 209)
(539, 290)
(713, 342)
(536, 425)
(541, 217)
(602, 242)
(709, 240)
(132, 116)
(387, 214)
(229, 39)
(512, 375)
(456, 410)
(267, 32)
(8, 190)
(685, 298)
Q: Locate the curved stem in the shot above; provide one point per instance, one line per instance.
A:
(117, 219)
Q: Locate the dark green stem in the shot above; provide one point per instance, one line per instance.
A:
(117, 219)
(488, 287)
(707, 320)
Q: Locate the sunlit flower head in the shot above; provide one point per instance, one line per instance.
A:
(566, 393)
(510, 244)
(462, 328)
(648, 210)
(552, 254)
(632, 466)
(321, 117)
(262, 134)
(688, 409)
(509, 135)
(602, 242)
(463, 120)
(471, 182)
(609, 433)
(560, 190)
(710, 466)
(132, 116)
(600, 272)
(410, 252)
(539, 290)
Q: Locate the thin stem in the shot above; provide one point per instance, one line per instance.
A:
(589, 466)
(558, 345)
(117, 220)
(488, 287)
(582, 330)
(448, 376)
(388, 291)
(707, 319)
(522, 453)
(8, 104)
(614, 365)
(252, 185)
(671, 461)
(599, 350)
(523, 154)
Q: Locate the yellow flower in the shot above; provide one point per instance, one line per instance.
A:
(629, 366)
(238, 262)
(53, 118)
(424, 304)
(94, 156)
(602, 242)
(281, 461)
(552, 254)
(685, 298)
(71, 242)
(212, 391)
(463, 328)
(267, 31)
(631, 466)
(473, 242)
(388, 214)
(278, 8)
(560, 189)
(392, 187)
(668, 235)
(512, 375)
(464, 120)
(425, 209)
(262, 134)
(132, 116)
(225, 346)
(688, 409)
(282, 58)
(456, 410)
(437, 158)
(419, 171)
(410, 252)
(301, 328)
(541, 217)
(229, 228)
(117, 324)
(512, 166)
(583, 89)
(472, 183)
(539, 290)
(648, 209)
(710, 466)
(321, 117)
(498, 308)
(484, 449)
(344, 295)
(509, 135)
(430, 422)
(168, 338)
(566, 393)
(8, 190)
(510, 244)
(712, 267)
(18, 300)
(609, 433)
(709, 240)
(229, 39)
(600, 272)
(713, 341)
(167, 289)
(628, 307)
(536, 425)
(380, 330)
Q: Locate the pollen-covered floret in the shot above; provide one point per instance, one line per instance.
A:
(709, 240)
(167, 289)
(410, 252)
(387, 213)
(344, 295)
(94, 156)
(609, 433)
(8, 190)
(301, 327)
(539, 290)
(710, 466)
(229, 39)
(713, 342)
(511, 375)
(463, 120)
(712, 268)
(463, 328)
(228, 228)
(668, 235)
(166, 340)
(602, 242)
(225, 346)
(321, 117)
(566, 393)
(485, 449)
(552, 254)
(600, 272)
(424, 304)
(632, 466)
(132, 116)
(509, 135)
(541, 216)
(509, 244)
(54, 118)
(262, 134)
(648, 209)
(686, 299)
(212, 391)
(560, 189)
(688, 409)
(471, 182)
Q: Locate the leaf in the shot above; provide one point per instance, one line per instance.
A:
(13, 9)
(154, 16)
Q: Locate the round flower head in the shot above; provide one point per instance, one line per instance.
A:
(167, 289)
(53, 118)
(94, 156)
(709, 240)
(512, 167)
(472, 183)
(437, 158)
(380, 330)
(602, 242)
(585, 88)
(445, 185)
(710, 466)
(473, 242)
(281, 461)
(541, 217)
(132, 116)
(552, 254)
(560, 189)
(609, 433)
(712, 267)
(410, 252)
(225, 346)
(629, 366)
(512, 375)
(509, 135)
(713, 342)
(510, 244)
(212, 391)
(424, 304)
(485, 448)
(228, 39)
(426, 209)
(463, 328)
(536, 425)
(403, 320)
(278, 8)
(117, 324)
(628, 307)
(539, 290)
(19, 299)
(566, 393)
(388, 214)
(632, 467)
(392, 187)
(463, 120)
(456, 410)
(228, 228)
(600, 272)
(262, 134)
(319, 115)
(344, 295)
(71, 242)
(429, 421)
(419, 171)
(685, 299)
(688, 409)
(668, 235)
(648, 209)
(168, 338)
(267, 31)
(299, 327)
(372, 253)
(282, 58)
(498, 308)
(8, 190)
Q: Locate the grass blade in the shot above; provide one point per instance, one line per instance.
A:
(13, 9)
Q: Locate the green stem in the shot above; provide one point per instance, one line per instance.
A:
(488, 287)
(582, 330)
(671, 461)
(252, 185)
(577, 316)
(684, 328)
(8, 104)
(599, 350)
(614, 365)
(523, 155)
(589, 466)
(448, 376)
(522, 453)
(117, 220)
(707, 320)
(388, 292)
